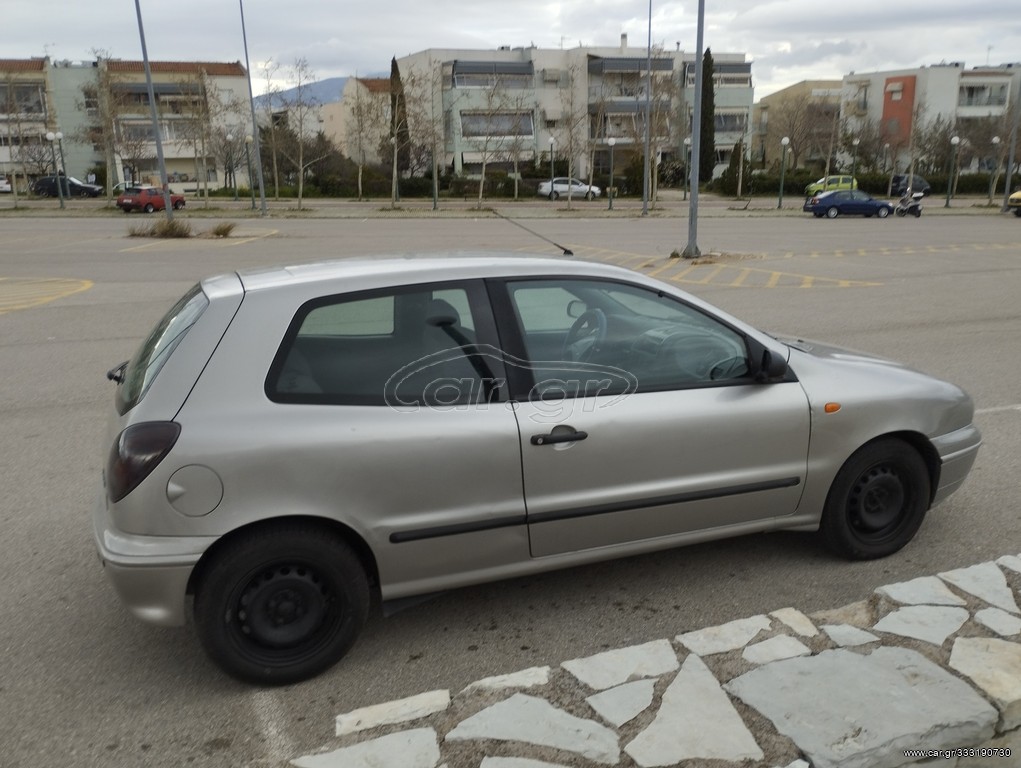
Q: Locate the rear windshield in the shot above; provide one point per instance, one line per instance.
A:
(146, 363)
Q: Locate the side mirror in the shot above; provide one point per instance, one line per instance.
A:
(771, 367)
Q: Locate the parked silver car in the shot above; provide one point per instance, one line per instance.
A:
(287, 442)
(562, 187)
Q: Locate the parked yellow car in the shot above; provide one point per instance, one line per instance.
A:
(829, 183)
(1014, 203)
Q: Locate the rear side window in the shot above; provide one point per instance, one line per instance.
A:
(154, 352)
(411, 346)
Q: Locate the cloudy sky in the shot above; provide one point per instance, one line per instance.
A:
(788, 40)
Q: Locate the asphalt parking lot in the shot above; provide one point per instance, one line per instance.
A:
(83, 684)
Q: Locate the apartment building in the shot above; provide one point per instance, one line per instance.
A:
(101, 111)
(523, 105)
(900, 102)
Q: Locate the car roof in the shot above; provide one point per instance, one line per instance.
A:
(407, 269)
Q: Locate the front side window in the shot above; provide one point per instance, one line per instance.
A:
(573, 329)
(402, 347)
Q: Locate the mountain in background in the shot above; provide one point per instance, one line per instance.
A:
(322, 91)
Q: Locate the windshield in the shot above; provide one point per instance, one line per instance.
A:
(154, 352)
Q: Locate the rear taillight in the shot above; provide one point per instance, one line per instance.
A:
(135, 453)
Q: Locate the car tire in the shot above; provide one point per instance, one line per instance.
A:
(589, 196)
(832, 212)
(554, 195)
(281, 603)
(877, 501)
(883, 213)
(1017, 212)
(179, 205)
(149, 208)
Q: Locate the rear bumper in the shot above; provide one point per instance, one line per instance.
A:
(149, 573)
(957, 452)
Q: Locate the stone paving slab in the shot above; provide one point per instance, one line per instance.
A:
(932, 663)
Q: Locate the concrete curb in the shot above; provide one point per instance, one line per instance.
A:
(920, 671)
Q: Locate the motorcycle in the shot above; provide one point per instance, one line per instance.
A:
(911, 203)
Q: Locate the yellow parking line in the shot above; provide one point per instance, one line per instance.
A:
(25, 293)
(774, 279)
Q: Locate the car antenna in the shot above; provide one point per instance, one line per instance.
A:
(567, 251)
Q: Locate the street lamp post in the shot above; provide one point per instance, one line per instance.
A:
(248, 161)
(52, 137)
(996, 168)
(784, 142)
(687, 164)
(954, 141)
(854, 162)
(609, 193)
(551, 143)
(230, 165)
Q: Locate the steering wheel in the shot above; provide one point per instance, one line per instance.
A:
(587, 333)
(729, 368)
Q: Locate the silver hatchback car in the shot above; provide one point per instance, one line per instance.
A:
(288, 442)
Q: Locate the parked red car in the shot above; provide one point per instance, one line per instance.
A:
(147, 199)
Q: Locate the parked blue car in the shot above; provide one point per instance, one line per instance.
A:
(847, 202)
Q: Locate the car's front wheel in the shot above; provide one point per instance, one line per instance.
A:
(877, 501)
(1017, 212)
(832, 212)
(178, 205)
(554, 195)
(281, 604)
(149, 208)
(883, 213)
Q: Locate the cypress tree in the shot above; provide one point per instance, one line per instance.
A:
(707, 150)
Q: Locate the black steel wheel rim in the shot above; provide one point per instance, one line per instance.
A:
(283, 613)
(877, 502)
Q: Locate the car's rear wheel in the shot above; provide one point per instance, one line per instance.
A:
(178, 205)
(832, 212)
(883, 213)
(877, 501)
(1017, 212)
(149, 208)
(281, 603)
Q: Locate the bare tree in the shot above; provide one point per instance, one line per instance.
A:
(303, 120)
(572, 129)
(805, 120)
(270, 98)
(365, 123)
(496, 126)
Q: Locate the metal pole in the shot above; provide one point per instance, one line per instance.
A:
(1010, 157)
(251, 102)
(691, 249)
(783, 168)
(248, 160)
(155, 117)
(609, 192)
(954, 141)
(647, 173)
(551, 195)
(52, 137)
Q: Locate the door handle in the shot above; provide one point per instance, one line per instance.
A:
(558, 437)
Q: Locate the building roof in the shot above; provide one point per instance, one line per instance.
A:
(22, 65)
(213, 68)
(375, 84)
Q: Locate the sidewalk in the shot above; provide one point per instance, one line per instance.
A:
(924, 672)
(671, 203)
